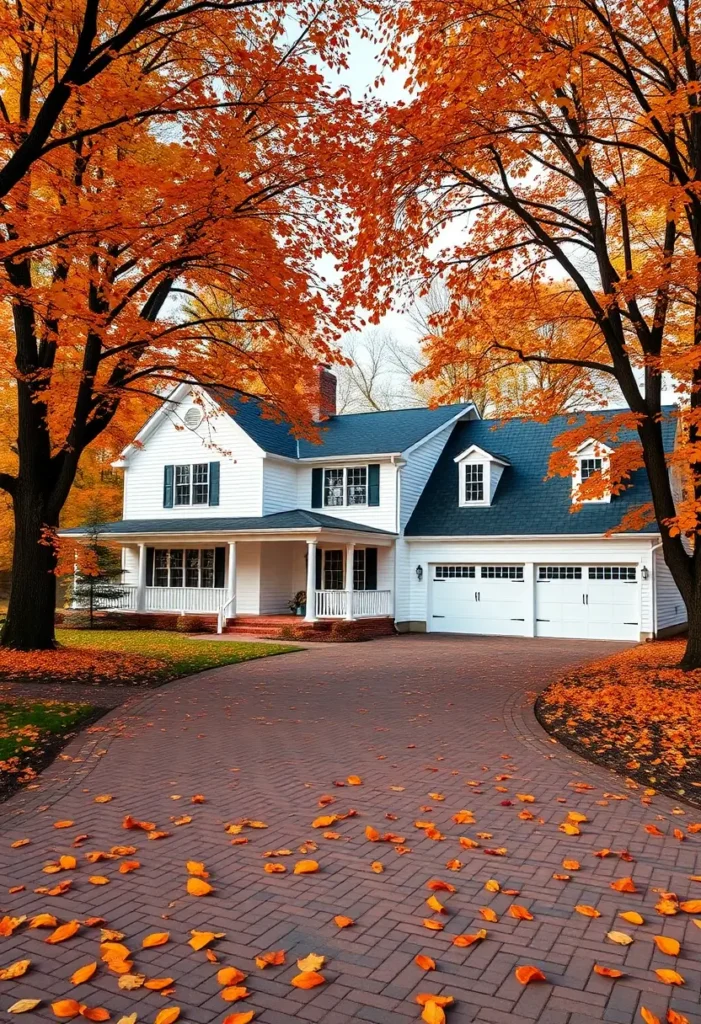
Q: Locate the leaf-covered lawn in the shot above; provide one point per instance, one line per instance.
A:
(634, 712)
(31, 731)
(127, 657)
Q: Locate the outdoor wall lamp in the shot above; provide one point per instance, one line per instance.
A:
(419, 572)
(645, 573)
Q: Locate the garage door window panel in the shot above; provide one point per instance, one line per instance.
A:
(502, 572)
(621, 573)
(559, 572)
(453, 572)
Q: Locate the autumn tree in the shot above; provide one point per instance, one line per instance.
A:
(154, 157)
(564, 139)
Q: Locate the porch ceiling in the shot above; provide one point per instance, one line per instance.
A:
(296, 524)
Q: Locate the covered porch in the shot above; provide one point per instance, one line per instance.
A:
(330, 572)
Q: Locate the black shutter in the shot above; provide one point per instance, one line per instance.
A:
(149, 567)
(214, 483)
(317, 488)
(168, 473)
(219, 561)
(318, 568)
(371, 568)
(374, 484)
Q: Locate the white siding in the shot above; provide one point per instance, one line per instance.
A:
(382, 516)
(218, 438)
(671, 610)
(414, 606)
(279, 486)
(130, 563)
(419, 466)
(276, 577)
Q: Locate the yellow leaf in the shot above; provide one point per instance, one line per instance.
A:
(130, 1018)
(155, 939)
(197, 868)
(435, 905)
(15, 970)
(129, 982)
(491, 885)
(312, 962)
(83, 973)
(168, 1015)
(98, 880)
(198, 887)
(23, 1005)
(669, 977)
(667, 945)
(104, 798)
(433, 1013)
(620, 938)
(306, 867)
(691, 906)
(308, 979)
(569, 829)
(43, 921)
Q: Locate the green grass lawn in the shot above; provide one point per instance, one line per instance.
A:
(169, 655)
(26, 726)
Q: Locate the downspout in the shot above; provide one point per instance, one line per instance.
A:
(653, 581)
(397, 526)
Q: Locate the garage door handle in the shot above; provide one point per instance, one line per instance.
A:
(439, 616)
(540, 620)
(630, 623)
(518, 620)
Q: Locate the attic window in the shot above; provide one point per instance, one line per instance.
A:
(588, 467)
(591, 459)
(474, 482)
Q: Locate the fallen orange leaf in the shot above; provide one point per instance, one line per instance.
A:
(83, 973)
(669, 977)
(527, 973)
(667, 945)
(308, 979)
(306, 867)
(426, 963)
(63, 932)
(66, 1009)
(198, 887)
(168, 1015)
(467, 940)
(343, 922)
(607, 972)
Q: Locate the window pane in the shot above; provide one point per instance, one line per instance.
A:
(559, 572)
(502, 572)
(589, 467)
(333, 570)
(207, 567)
(357, 485)
(200, 483)
(626, 573)
(453, 572)
(182, 485)
(474, 482)
(333, 487)
(192, 568)
(176, 567)
(359, 570)
(160, 568)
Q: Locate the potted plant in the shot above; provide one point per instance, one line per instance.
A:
(298, 604)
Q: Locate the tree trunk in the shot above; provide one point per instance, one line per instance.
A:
(30, 616)
(692, 654)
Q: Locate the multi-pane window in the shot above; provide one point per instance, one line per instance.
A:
(501, 572)
(559, 572)
(626, 573)
(182, 485)
(333, 570)
(357, 485)
(474, 482)
(174, 567)
(359, 569)
(346, 486)
(200, 483)
(192, 484)
(333, 486)
(453, 572)
(587, 467)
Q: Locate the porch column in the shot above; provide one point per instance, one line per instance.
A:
(231, 578)
(350, 549)
(141, 583)
(311, 582)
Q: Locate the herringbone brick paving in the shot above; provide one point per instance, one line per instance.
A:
(264, 740)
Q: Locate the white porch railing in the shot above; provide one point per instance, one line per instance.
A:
(126, 600)
(370, 603)
(184, 599)
(333, 604)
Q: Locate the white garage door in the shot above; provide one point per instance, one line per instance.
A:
(484, 599)
(597, 602)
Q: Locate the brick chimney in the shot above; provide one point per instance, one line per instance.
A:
(324, 405)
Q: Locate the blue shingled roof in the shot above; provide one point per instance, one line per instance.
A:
(366, 433)
(295, 519)
(525, 503)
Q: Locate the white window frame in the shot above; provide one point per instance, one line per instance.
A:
(591, 449)
(344, 470)
(465, 502)
(190, 467)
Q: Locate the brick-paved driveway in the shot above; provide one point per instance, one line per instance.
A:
(265, 740)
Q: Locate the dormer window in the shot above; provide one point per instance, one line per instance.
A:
(592, 459)
(474, 482)
(479, 473)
